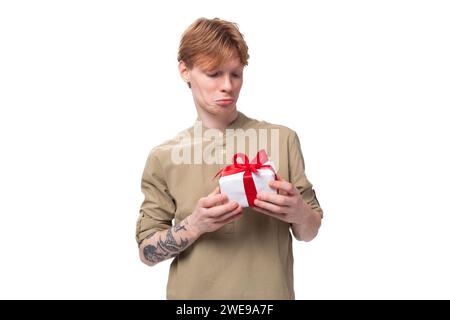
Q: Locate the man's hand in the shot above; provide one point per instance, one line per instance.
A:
(213, 212)
(287, 206)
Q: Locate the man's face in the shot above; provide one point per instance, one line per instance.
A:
(217, 91)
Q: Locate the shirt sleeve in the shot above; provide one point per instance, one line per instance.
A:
(158, 208)
(297, 174)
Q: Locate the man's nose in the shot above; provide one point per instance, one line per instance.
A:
(226, 83)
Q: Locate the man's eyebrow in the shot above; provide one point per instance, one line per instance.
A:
(219, 68)
(237, 68)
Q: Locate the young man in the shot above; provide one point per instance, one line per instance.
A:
(221, 250)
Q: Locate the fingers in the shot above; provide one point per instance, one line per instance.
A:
(233, 218)
(227, 217)
(283, 185)
(213, 199)
(220, 210)
(278, 199)
(273, 208)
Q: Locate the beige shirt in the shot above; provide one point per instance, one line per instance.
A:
(250, 258)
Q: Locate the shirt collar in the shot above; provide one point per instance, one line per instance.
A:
(238, 123)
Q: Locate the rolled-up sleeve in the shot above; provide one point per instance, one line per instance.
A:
(158, 208)
(297, 174)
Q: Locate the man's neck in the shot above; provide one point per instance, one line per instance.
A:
(213, 121)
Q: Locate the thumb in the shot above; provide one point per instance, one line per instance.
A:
(215, 191)
(281, 191)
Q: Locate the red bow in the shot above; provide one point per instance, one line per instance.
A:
(247, 168)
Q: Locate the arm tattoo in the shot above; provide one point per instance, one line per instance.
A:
(179, 227)
(167, 248)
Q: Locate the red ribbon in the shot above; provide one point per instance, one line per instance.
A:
(247, 168)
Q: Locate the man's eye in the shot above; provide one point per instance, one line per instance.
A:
(237, 75)
(213, 75)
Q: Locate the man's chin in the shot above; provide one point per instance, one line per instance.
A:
(219, 109)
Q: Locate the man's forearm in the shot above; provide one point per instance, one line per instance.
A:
(309, 226)
(166, 244)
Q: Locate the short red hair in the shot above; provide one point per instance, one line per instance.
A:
(209, 42)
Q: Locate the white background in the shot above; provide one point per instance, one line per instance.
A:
(87, 88)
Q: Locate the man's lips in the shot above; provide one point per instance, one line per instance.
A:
(224, 101)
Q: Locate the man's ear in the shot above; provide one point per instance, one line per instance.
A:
(184, 72)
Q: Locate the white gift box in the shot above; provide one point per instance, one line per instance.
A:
(233, 185)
